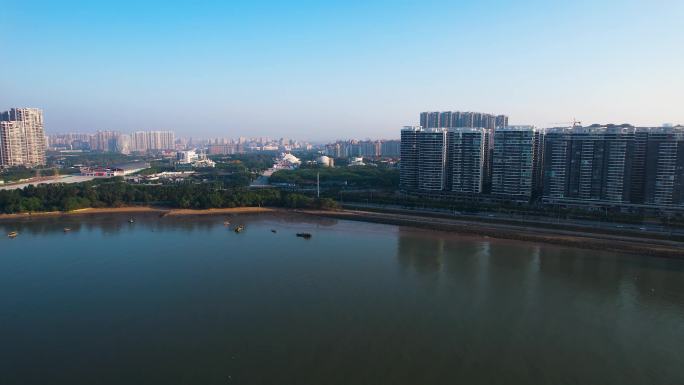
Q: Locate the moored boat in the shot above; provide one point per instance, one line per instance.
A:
(12, 234)
(67, 229)
(304, 235)
(239, 228)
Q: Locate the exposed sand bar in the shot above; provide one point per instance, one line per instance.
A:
(234, 210)
(141, 209)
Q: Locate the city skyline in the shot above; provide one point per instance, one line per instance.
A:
(363, 137)
(326, 71)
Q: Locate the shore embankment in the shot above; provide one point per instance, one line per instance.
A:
(585, 239)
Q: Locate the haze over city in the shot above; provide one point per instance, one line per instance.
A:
(327, 70)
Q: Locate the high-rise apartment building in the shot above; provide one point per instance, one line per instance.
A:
(432, 159)
(608, 165)
(614, 164)
(408, 172)
(440, 160)
(22, 137)
(513, 162)
(663, 183)
(466, 151)
(589, 163)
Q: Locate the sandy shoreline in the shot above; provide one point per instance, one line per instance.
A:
(140, 209)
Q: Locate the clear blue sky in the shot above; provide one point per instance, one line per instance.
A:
(337, 69)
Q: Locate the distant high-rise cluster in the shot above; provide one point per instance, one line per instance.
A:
(619, 165)
(152, 141)
(22, 137)
(226, 146)
(458, 119)
(114, 141)
(363, 148)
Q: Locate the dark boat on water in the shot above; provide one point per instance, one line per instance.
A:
(239, 228)
(304, 235)
(273, 231)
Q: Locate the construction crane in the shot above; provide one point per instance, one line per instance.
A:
(574, 123)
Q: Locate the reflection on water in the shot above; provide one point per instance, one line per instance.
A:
(179, 300)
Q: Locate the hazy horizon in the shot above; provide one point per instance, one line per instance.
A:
(353, 69)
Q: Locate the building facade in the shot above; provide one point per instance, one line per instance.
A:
(22, 137)
(663, 183)
(408, 171)
(466, 148)
(432, 160)
(513, 162)
(614, 164)
(589, 163)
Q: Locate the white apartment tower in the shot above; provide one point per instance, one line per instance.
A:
(432, 159)
(467, 156)
(22, 137)
(513, 161)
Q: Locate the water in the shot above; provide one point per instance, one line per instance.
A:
(187, 301)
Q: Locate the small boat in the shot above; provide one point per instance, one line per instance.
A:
(239, 228)
(131, 220)
(226, 223)
(67, 229)
(304, 235)
(13, 234)
(273, 231)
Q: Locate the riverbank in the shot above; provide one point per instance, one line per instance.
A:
(162, 211)
(572, 238)
(579, 238)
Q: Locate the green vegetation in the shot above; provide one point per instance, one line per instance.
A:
(360, 176)
(226, 178)
(16, 173)
(116, 193)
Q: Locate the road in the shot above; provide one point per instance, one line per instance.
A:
(262, 180)
(47, 180)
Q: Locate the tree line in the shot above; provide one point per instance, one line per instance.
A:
(117, 193)
(357, 176)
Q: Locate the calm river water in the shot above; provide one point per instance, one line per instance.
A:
(188, 301)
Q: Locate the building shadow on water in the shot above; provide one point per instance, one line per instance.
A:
(420, 253)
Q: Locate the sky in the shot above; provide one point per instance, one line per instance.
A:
(324, 70)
